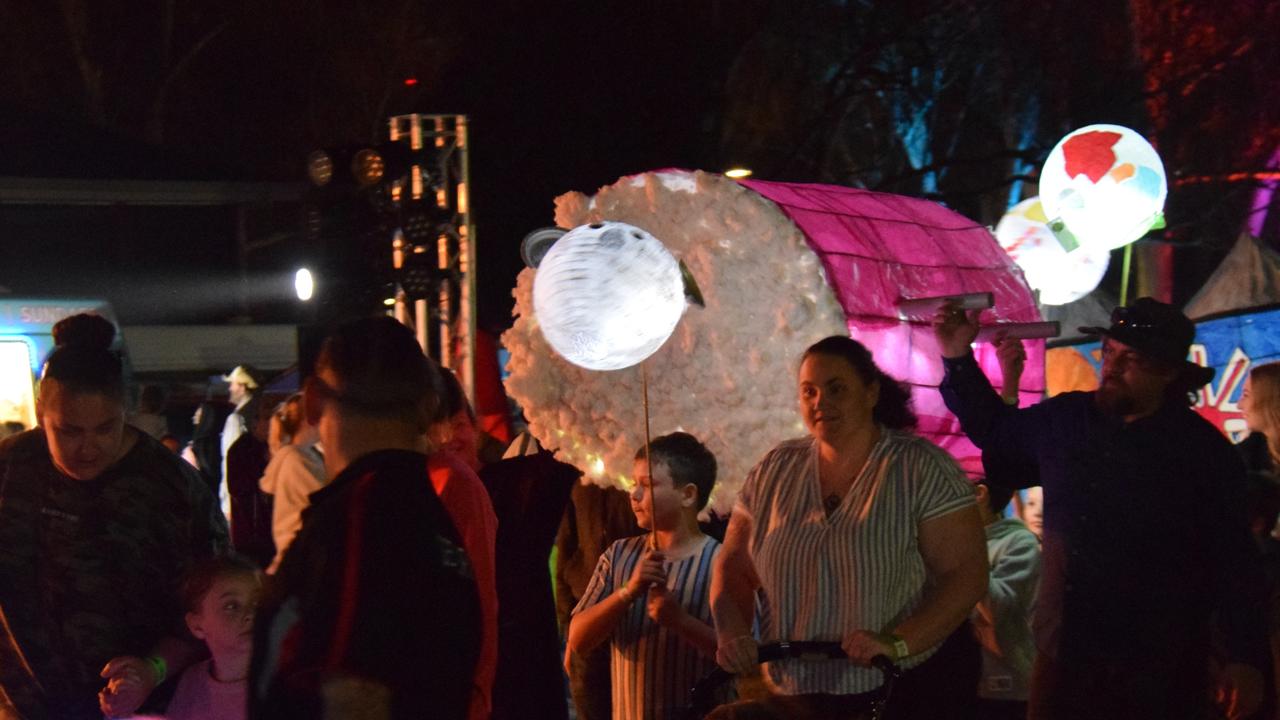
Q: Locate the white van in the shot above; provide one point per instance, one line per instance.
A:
(26, 338)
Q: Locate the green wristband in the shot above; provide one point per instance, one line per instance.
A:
(160, 667)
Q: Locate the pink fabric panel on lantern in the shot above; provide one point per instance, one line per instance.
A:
(877, 248)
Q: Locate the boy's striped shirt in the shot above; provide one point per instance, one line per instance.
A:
(652, 667)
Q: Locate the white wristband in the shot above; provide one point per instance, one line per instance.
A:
(899, 647)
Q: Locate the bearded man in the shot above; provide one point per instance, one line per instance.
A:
(1134, 607)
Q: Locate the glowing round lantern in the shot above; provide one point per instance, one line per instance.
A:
(1060, 276)
(1105, 183)
(607, 295)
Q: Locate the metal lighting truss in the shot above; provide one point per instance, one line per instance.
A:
(432, 199)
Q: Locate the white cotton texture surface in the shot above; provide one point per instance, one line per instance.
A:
(726, 375)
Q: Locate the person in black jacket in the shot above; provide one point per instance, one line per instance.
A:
(1129, 602)
(374, 611)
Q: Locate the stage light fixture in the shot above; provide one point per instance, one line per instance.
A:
(418, 278)
(320, 168)
(423, 221)
(367, 167)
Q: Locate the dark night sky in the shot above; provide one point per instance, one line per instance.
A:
(558, 100)
(561, 96)
(573, 101)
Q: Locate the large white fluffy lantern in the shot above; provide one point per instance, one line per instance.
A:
(1105, 183)
(779, 266)
(1060, 276)
(607, 295)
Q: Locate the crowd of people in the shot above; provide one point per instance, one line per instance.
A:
(384, 559)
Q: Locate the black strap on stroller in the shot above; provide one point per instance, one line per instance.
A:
(704, 696)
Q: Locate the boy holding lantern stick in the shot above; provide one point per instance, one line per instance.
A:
(651, 602)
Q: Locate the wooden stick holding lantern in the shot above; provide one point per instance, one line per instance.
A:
(608, 295)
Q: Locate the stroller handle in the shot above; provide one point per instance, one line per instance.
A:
(702, 695)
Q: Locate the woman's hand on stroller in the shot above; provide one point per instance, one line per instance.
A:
(863, 645)
(738, 654)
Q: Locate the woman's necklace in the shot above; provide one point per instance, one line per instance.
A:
(831, 503)
(833, 500)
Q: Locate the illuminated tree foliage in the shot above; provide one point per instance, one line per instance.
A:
(953, 99)
(1210, 93)
(253, 84)
(961, 100)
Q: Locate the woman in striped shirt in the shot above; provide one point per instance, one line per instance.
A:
(860, 533)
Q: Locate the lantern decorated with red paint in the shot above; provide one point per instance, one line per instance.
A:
(1102, 186)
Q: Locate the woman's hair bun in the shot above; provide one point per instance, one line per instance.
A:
(91, 332)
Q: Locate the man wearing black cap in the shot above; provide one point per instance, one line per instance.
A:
(1146, 554)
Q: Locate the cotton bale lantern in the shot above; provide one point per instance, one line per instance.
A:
(779, 267)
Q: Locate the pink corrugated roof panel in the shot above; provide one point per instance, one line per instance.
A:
(877, 248)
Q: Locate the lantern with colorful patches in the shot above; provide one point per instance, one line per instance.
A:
(1105, 184)
(1059, 276)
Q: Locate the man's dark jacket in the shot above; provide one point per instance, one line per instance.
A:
(1146, 559)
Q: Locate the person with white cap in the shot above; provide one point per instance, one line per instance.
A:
(243, 381)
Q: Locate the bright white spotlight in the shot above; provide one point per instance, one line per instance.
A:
(304, 284)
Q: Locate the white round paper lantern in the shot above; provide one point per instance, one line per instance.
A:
(1060, 276)
(1105, 183)
(607, 295)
